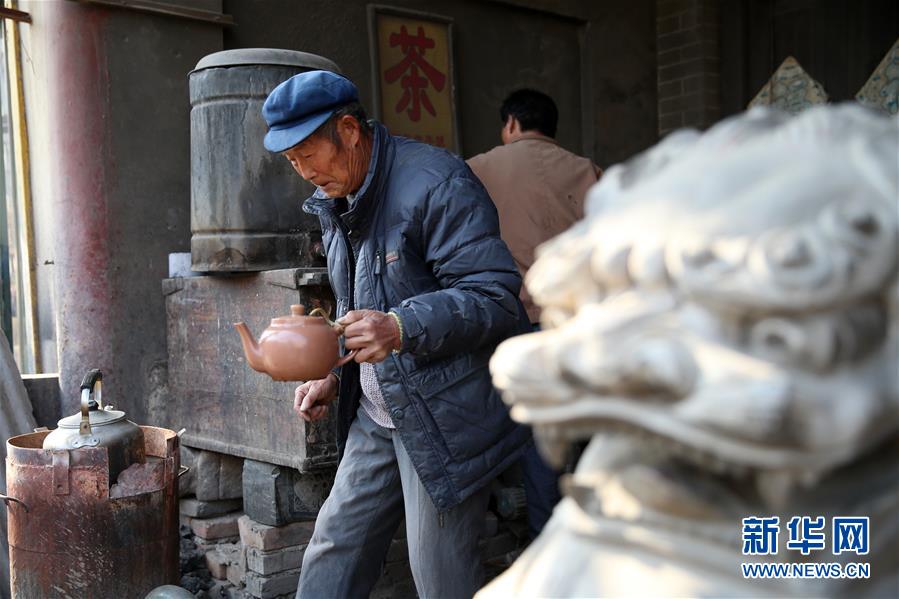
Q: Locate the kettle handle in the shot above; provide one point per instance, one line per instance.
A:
(6, 499)
(93, 379)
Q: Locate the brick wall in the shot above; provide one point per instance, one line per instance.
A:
(688, 63)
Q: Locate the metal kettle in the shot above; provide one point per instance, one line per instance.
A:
(99, 426)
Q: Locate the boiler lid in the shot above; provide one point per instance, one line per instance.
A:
(266, 56)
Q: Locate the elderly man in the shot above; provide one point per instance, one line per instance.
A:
(426, 289)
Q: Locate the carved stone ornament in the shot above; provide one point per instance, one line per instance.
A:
(881, 91)
(723, 326)
(790, 88)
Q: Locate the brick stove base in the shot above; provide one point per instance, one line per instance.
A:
(252, 547)
(263, 562)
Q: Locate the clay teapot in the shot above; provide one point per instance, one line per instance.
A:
(99, 426)
(295, 347)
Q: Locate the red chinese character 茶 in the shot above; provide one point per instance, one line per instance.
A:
(414, 85)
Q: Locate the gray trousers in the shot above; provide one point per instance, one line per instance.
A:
(374, 482)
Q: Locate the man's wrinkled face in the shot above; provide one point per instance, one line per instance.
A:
(336, 169)
(323, 164)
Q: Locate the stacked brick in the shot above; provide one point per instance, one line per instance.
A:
(688, 63)
(211, 504)
(252, 547)
(263, 562)
(257, 554)
(272, 556)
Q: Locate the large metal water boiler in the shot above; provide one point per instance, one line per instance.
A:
(74, 534)
(245, 201)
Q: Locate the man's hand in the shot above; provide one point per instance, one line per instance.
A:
(311, 399)
(375, 334)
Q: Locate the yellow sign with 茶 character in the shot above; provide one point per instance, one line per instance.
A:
(414, 76)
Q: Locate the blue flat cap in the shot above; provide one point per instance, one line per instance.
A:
(300, 105)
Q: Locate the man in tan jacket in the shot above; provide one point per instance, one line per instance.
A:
(538, 188)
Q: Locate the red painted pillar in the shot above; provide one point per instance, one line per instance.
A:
(78, 99)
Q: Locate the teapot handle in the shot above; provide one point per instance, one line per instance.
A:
(92, 379)
(336, 326)
(344, 359)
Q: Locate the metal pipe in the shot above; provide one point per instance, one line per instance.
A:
(79, 107)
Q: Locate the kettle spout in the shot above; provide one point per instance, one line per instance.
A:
(250, 347)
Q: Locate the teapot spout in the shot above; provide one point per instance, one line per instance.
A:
(250, 347)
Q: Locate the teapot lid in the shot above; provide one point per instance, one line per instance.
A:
(297, 317)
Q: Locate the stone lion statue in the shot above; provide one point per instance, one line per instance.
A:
(724, 327)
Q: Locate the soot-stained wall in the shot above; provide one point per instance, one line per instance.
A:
(597, 60)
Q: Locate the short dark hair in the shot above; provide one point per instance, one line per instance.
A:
(532, 109)
(329, 128)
